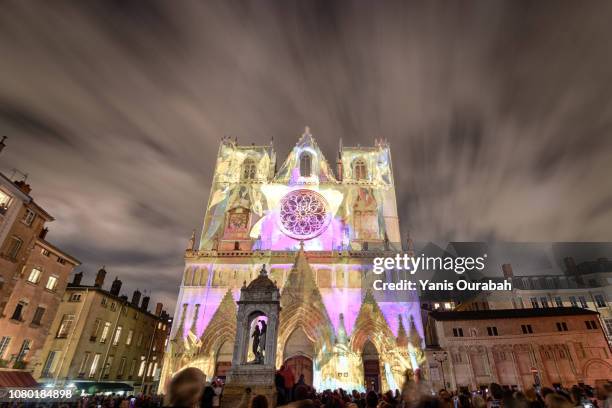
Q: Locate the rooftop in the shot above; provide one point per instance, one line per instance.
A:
(509, 313)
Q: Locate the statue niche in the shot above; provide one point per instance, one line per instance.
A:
(258, 330)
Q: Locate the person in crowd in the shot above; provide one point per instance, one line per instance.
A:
(207, 396)
(556, 400)
(186, 388)
(259, 401)
(279, 382)
(218, 391)
(371, 399)
(289, 382)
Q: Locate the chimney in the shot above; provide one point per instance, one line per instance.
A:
(43, 233)
(158, 308)
(507, 269)
(145, 303)
(76, 281)
(136, 298)
(100, 278)
(115, 287)
(23, 186)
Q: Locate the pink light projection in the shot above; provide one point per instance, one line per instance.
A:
(348, 302)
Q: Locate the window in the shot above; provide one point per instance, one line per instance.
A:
(608, 329)
(50, 363)
(117, 336)
(457, 332)
(51, 283)
(105, 331)
(128, 341)
(305, 165)
(61, 260)
(14, 247)
(103, 302)
(5, 202)
(113, 306)
(94, 365)
(249, 170)
(75, 297)
(599, 301)
(4, 343)
(94, 331)
(583, 302)
(534, 302)
(107, 367)
(526, 328)
(23, 350)
(492, 331)
(38, 315)
(558, 301)
(121, 367)
(561, 326)
(590, 324)
(45, 252)
(17, 313)
(35, 275)
(65, 326)
(84, 363)
(141, 369)
(573, 302)
(140, 336)
(132, 368)
(544, 301)
(29, 216)
(360, 171)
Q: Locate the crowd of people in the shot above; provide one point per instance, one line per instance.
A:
(189, 390)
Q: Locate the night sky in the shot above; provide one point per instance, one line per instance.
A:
(498, 113)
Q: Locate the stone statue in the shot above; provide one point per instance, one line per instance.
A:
(191, 242)
(256, 336)
(262, 337)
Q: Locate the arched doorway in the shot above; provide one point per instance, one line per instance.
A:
(224, 360)
(371, 367)
(298, 355)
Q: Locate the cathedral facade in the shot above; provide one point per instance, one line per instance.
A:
(316, 229)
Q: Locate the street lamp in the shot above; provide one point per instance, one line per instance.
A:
(441, 357)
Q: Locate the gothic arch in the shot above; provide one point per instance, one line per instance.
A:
(360, 169)
(313, 321)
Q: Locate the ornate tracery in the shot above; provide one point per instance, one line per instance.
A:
(304, 214)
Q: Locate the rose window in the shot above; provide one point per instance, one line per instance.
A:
(303, 214)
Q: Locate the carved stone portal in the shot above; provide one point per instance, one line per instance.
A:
(253, 362)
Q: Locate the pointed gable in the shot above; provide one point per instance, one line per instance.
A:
(306, 164)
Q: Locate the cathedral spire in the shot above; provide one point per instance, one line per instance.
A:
(402, 337)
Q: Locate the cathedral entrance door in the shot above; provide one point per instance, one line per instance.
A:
(371, 367)
(300, 365)
(298, 354)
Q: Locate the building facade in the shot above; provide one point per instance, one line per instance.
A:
(586, 285)
(518, 348)
(317, 233)
(101, 341)
(33, 276)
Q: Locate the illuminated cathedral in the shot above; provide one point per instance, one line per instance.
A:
(317, 231)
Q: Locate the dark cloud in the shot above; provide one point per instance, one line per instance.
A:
(498, 113)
